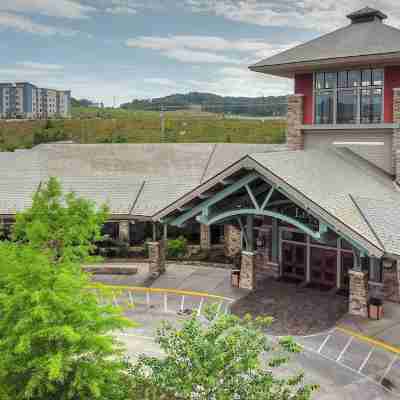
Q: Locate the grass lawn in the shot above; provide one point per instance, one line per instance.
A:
(99, 125)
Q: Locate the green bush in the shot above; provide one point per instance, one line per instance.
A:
(177, 248)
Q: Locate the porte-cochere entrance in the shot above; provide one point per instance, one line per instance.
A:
(283, 234)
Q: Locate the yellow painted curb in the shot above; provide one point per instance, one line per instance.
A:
(160, 290)
(372, 341)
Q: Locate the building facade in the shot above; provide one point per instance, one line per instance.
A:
(24, 100)
(322, 210)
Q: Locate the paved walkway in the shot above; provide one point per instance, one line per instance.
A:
(387, 329)
(297, 310)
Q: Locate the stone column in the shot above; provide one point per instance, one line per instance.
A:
(295, 118)
(232, 240)
(391, 281)
(396, 134)
(205, 237)
(359, 296)
(156, 257)
(124, 234)
(248, 271)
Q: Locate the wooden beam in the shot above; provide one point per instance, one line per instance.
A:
(267, 198)
(252, 197)
(251, 211)
(215, 199)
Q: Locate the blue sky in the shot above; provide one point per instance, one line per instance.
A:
(142, 49)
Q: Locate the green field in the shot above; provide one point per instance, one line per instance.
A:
(117, 125)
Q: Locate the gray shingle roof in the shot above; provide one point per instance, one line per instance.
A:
(384, 218)
(136, 179)
(20, 176)
(332, 179)
(141, 180)
(355, 39)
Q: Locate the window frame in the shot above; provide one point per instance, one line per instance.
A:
(358, 89)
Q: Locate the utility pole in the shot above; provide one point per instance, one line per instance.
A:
(162, 118)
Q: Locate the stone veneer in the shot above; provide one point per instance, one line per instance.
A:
(295, 116)
(248, 271)
(232, 241)
(396, 133)
(124, 232)
(358, 299)
(391, 284)
(265, 266)
(205, 237)
(156, 257)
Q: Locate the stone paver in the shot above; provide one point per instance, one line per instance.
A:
(296, 310)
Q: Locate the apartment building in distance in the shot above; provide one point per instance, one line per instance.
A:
(23, 100)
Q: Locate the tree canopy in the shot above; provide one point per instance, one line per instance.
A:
(65, 225)
(219, 360)
(55, 337)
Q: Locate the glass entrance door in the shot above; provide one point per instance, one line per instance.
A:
(323, 265)
(294, 260)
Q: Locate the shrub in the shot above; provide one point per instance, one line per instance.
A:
(177, 248)
(221, 360)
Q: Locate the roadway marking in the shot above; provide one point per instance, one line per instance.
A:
(370, 340)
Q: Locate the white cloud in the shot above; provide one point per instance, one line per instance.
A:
(31, 70)
(237, 81)
(39, 66)
(207, 49)
(161, 82)
(121, 10)
(53, 8)
(225, 81)
(310, 14)
(25, 24)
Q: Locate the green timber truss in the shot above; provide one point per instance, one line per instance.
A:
(203, 211)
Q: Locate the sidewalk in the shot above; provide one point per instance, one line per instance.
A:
(386, 329)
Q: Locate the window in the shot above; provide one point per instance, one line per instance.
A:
(324, 108)
(349, 97)
(347, 107)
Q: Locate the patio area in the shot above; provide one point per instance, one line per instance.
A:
(296, 310)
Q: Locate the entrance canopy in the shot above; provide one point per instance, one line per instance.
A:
(314, 191)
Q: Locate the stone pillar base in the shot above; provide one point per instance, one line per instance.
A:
(205, 237)
(248, 271)
(273, 270)
(156, 258)
(232, 241)
(391, 283)
(359, 296)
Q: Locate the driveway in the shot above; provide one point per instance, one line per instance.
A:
(330, 362)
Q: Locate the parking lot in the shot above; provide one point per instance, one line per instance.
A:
(345, 366)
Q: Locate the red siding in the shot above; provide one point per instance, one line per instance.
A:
(304, 85)
(392, 81)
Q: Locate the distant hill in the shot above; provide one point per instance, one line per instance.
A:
(253, 106)
(80, 102)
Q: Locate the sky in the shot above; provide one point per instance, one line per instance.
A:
(118, 50)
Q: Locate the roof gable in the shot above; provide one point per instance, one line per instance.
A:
(370, 38)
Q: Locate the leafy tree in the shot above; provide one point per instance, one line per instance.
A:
(64, 225)
(54, 341)
(219, 361)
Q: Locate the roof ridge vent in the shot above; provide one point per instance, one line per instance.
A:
(366, 14)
